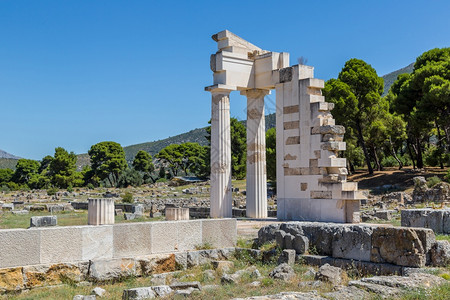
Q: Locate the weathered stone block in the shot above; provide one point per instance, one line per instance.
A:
(164, 237)
(219, 233)
(52, 274)
(300, 244)
(353, 242)
(60, 244)
(103, 270)
(97, 242)
(189, 234)
(446, 222)
(43, 221)
(427, 218)
(287, 256)
(132, 239)
(400, 246)
(129, 216)
(11, 279)
(279, 238)
(320, 236)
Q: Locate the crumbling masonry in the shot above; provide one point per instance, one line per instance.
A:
(311, 178)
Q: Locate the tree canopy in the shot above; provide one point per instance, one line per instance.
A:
(107, 161)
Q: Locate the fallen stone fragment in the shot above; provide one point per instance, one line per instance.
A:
(440, 254)
(287, 296)
(330, 274)
(228, 279)
(186, 285)
(98, 291)
(255, 283)
(283, 272)
(287, 256)
(82, 297)
(138, 293)
(222, 265)
(162, 290)
(209, 275)
(348, 293)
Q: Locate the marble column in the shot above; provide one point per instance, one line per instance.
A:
(256, 154)
(220, 195)
(100, 211)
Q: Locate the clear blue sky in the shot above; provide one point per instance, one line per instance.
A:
(75, 73)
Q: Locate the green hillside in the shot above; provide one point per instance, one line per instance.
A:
(8, 163)
(194, 136)
(391, 77)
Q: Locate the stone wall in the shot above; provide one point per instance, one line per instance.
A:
(436, 219)
(409, 247)
(70, 244)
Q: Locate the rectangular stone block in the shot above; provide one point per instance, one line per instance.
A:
(19, 247)
(446, 222)
(291, 125)
(60, 244)
(43, 221)
(425, 218)
(397, 245)
(290, 109)
(189, 234)
(132, 239)
(220, 233)
(293, 140)
(164, 237)
(353, 242)
(97, 242)
(321, 194)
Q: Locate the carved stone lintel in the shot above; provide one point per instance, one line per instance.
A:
(255, 93)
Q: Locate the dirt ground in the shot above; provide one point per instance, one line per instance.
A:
(401, 179)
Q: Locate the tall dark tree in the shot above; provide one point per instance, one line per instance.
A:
(423, 99)
(108, 161)
(143, 163)
(356, 93)
(271, 154)
(25, 169)
(62, 169)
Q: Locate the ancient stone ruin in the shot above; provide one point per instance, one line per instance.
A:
(311, 177)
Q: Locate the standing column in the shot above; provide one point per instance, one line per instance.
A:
(220, 195)
(256, 154)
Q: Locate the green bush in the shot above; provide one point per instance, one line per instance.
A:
(161, 180)
(4, 188)
(432, 181)
(70, 189)
(433, 156)
(447, 176)
(52, 191)
(389, 161)
(90, 186)
(127, 197)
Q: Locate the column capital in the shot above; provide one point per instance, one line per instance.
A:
(220, 89)
(255, 93)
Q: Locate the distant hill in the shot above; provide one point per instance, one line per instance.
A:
(391, 77)
(7, 160)
(194, 136)
(4, 154)
(8, 163)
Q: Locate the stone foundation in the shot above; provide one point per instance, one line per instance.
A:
(399, 246)
(29, 277)
(69, 244)
(436, 219)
